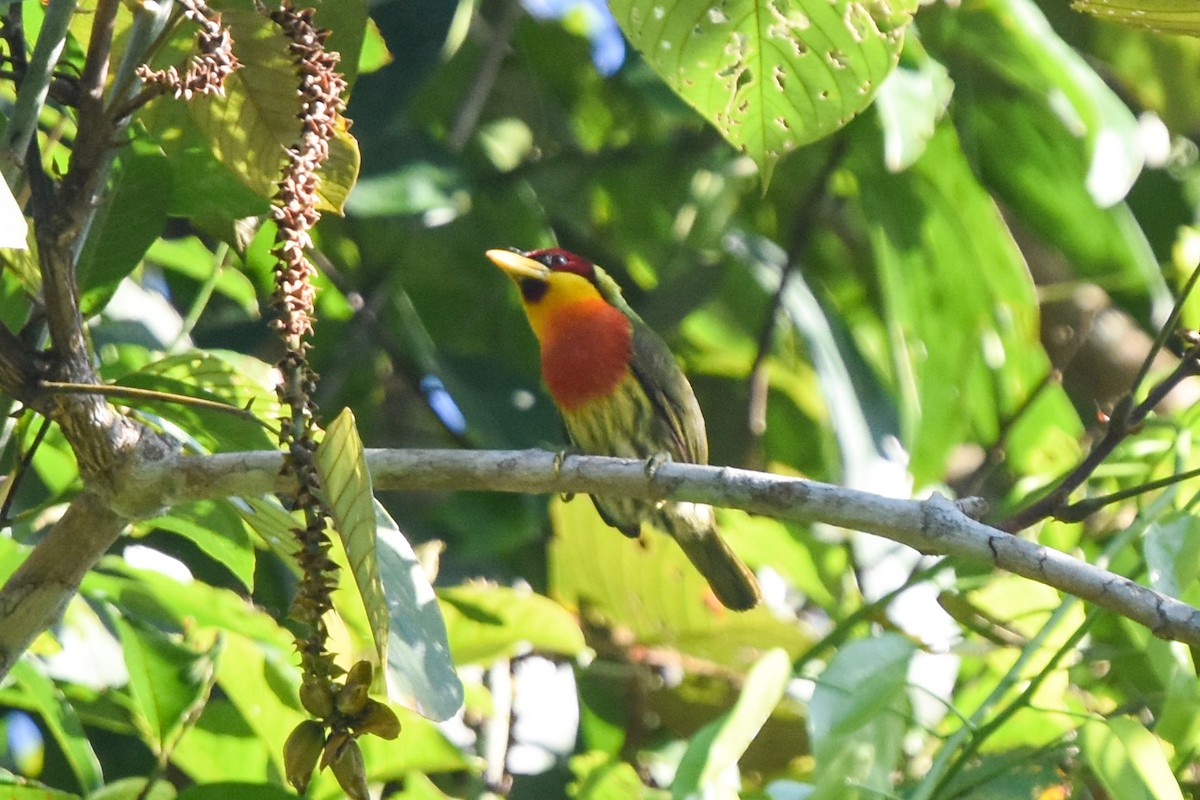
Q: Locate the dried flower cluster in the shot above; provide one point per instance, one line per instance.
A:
(206, 72)
(295, 211)
(341, 709)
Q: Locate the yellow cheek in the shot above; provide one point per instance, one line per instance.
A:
(564, 290)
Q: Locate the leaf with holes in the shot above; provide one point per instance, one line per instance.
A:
(770, 75)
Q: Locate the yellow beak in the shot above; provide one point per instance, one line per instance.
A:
(518, 266)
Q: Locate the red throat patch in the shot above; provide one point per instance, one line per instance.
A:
(585, 352)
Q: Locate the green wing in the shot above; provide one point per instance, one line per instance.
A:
(679, 429)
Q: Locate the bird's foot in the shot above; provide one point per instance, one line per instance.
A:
(654, 462)
(559, 458)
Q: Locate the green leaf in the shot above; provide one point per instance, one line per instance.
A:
(860, 681)
(910, 102)
(58, 715)
(375, 54)
(165, 602)
(217, 529)
(648, 587)
(274, 525)
(347, 487)
(485, 623)
(1032, 93)
(1129, 760)
(406, 622)
(339, 172)
(770, 75)
(167, 679)
(125, 226)
(188, 256)
(716, 748)
(1164, 16)
(1172, 549)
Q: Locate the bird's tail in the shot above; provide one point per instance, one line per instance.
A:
(694, 527)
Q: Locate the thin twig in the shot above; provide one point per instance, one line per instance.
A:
(1124, 421)
(756, 405)
(995, 453)
(472, 106)
(132, 393)
(1167, 329)
(1081, 510)
(21, 471)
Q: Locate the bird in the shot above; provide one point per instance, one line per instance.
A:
(620, 392)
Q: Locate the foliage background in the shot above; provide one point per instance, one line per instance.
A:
(1026, 174)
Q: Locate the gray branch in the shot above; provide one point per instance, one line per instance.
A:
(36, 594)
(934, 526)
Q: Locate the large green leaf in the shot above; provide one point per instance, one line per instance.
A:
(257, 118)
(1050, 138)
(406, 622)
(770, 75)
(487, 622)
(347, 487)
(958, 301)
(857, 716)
(216, 528)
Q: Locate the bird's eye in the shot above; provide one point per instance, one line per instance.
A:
(558, 260)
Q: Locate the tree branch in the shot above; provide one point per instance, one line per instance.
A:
(934, 526)
(35, 596)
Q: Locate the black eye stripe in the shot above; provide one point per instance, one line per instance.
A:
(533, 289)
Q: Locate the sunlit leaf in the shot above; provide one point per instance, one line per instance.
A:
(217, 529)
(1129, 760)
(717, 747)
(347, 487)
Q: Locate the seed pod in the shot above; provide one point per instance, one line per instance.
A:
(300, 753)
(317, 697)
(376, 718)
(350, 771)
(352, 697)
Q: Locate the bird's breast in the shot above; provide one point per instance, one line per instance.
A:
(586, 349)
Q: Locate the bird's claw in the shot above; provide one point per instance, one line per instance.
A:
(559, 458)
(654, 462)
